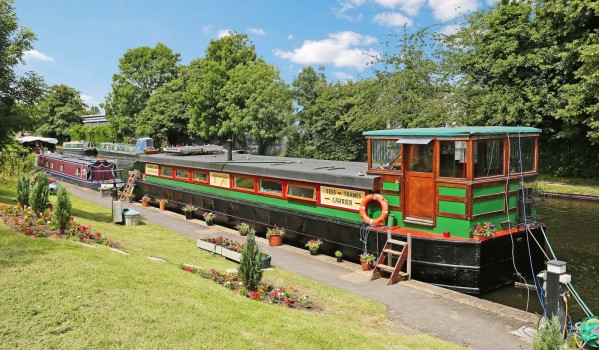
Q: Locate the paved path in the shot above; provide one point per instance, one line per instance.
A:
(412, 306)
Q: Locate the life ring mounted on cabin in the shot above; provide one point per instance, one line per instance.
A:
(384, 207)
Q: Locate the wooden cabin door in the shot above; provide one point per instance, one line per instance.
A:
(420, 187)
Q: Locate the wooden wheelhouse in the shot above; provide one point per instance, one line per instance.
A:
(448, 179)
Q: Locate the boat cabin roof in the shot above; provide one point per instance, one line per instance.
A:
(326, 172)
(69, 158)
(455, 131)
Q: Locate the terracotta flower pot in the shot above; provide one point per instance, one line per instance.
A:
(275, 240)
(162, 206)
(145, 203)
(365, 266)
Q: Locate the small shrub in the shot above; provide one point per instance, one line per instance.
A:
(23, 189)
(62, 210)
(251, 263)
(549, 337)
(38, 197)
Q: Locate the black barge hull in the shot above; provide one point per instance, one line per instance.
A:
(467, 266)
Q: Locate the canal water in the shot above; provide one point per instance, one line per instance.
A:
(573, 231)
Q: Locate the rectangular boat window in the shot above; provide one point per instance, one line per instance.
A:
(269, 186)
(200, 176)
(152, 169)
(522, 155)
(301, 192)
(488, 158)
(77, 171)
(182, 174)
(220, 179)
(243, 182)
(61, 167)
(452, 159)
(166, 171)
(52, 165)
(46, 164)
(385, 154)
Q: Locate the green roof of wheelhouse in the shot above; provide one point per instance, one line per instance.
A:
(455, 131)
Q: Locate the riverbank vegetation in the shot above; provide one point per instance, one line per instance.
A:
(62, 294)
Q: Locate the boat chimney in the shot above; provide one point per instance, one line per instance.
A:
(229, 149)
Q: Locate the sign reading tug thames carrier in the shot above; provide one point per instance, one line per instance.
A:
(341, 197)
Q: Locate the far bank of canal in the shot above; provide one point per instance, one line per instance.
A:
(573, 231)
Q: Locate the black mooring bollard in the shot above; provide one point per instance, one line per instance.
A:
(554, 302)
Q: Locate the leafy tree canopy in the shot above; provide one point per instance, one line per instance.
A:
(59, 110)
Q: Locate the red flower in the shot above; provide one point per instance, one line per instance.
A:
(187, 269)
(288, 302)
(255, 295)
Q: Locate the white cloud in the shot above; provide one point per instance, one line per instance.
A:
(446, 10)
(289, 37)
(411, 7)
(89, 100)
(348, 5)
(339, 50)
(207, 29)
(257, 31)
(342, 76)
(393, 19)
(34, 55)
(450, 29)
(224, 32)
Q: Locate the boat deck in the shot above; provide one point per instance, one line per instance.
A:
(402, 231)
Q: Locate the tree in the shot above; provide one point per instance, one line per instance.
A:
(62, 210)
(141, 71)
(59, 110)
(38, 197)
(23, 187)
(166, 115)
(255, 101)
(206, 83)
(16, 93)
(250, 264)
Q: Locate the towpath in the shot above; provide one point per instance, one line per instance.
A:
(412, 306)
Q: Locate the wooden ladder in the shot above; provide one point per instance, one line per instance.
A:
(388, 254)
(130, 184)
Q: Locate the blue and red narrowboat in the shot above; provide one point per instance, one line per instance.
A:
(90, 173)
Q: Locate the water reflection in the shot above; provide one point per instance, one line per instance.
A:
(572, 229)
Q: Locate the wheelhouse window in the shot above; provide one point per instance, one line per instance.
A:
(522, 155)
(452, 159)
(301, 192)
(182, 174)
(272, 187)
(243, 182)
(166, 171)
(421, 158)
(385, 154)
(200, 176)
(488, 158)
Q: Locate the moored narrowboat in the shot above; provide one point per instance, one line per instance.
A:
(437, 184)
(79, 148)
(143, 145)
(91, 173)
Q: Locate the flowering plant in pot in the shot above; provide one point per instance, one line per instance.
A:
(188, 210)
(487, 230)
(163, 202)
(339, 256)
(313, 246)
(244, 228)
(275, 236)
(209, 217)
(145, 200)
(366, 260)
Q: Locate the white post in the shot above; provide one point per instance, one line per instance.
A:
(409, 267)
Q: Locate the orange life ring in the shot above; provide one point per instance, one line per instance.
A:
(384, 206)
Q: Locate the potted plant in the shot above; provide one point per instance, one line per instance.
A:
(483, 230)
(244, 229)
(366, 260)
(339, 256)
(313, 246)
(163, 203)
(275, 236)
(266, 260)
(145, 200)
(209, 218)
(188, 210)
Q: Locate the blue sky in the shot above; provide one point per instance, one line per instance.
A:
(79, 42)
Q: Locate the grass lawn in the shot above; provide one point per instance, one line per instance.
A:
(61, 294)
(587, 187)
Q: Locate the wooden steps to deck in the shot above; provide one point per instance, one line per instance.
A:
(133, 175)
(393, 250)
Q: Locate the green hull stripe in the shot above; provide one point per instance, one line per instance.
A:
(487, 206)
(390, 186)
(310, 208)
(452, 191)
(452, 207)
(392, 200)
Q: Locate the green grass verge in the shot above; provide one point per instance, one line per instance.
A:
(61, 294)
(588, 187)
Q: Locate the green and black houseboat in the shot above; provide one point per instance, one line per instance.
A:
(437, 184)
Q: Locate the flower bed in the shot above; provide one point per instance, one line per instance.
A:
(266, 292)
(27, 222)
